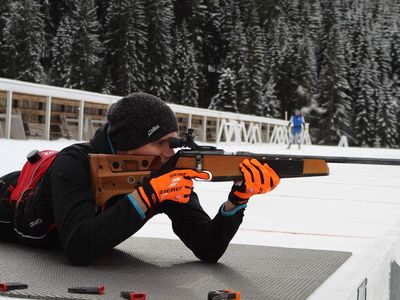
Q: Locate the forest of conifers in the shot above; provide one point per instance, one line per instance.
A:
(337, 60)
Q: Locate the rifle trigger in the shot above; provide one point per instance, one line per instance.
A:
(199, 163)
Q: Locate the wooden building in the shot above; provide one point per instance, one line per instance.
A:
(33, 111)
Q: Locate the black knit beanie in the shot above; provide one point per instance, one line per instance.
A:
(139, 119)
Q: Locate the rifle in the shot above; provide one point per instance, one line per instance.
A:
(113, 175)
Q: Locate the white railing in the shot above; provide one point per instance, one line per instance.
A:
(230, 127)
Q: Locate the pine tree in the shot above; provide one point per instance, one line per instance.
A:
(126, 43)
(268, 11)
(395, 54)
(282, 47)
(306, 72)
(350, 29)
(313, 21)
(236, 48)
(103, 8)
(386, 126)
(334, 97)
(61, 54)
(353, 28)
(226, 99)
(386, 121)
(50, 31)
(184, 87)
(23, 41)
(177, 72)
(309, 58)
(269, 103)
(306, 64)
(365, 107)
(86, 48)
(395, 69)
(158, 62)
(58, 10)
(4, 8)
(367, 92)
(107, 86)
(228, 15)
(199, 22)
(278, 42)
(252, 70)
(292, 9)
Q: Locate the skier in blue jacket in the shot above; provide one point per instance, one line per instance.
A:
(296, 125)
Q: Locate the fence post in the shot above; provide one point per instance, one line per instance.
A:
(8, 114)
(48, 118)
(343, 141)
(80, 119)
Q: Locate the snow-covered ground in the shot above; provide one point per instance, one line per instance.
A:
(356, 208)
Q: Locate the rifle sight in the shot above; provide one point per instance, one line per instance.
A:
(188, 142)
(184, 142)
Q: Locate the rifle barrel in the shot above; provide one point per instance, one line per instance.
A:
(343, 159)
(363, 160)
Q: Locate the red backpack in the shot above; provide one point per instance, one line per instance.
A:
(22, 207)
(32, 172)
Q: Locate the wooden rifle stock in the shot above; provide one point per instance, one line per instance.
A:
(113, 175)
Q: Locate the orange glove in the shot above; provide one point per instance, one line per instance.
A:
(174, 186)
(257, 179)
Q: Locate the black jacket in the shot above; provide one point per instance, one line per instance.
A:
(86, 233)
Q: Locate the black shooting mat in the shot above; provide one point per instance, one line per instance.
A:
(165, 269)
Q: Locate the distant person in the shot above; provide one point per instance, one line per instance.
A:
(296, 125)
(60, 210)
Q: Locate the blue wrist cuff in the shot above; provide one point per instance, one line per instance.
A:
(137, 206)
(233, 211)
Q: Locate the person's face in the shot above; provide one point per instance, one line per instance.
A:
(158, 148)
